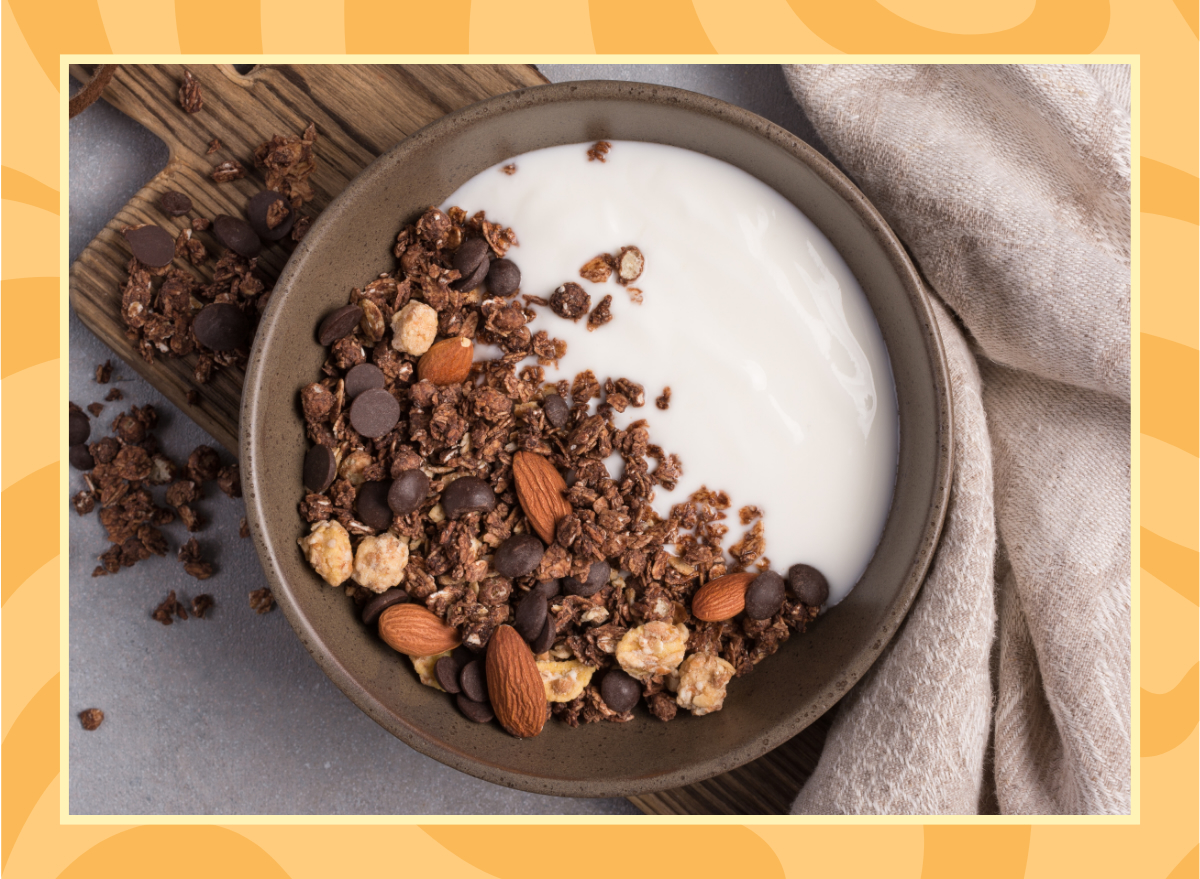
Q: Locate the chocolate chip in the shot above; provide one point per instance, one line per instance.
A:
(408, 492)
(473, 682)
(596, 580)
(808, 584)
(174, 203)
(503, 278)
(372, 506)
(363, 377)
(556, 410)
(570, 301)
(79, 427)
(472, 254)
(237, 236)
(467, 494)
(80, 457)
(545, 639)
(377, 605)
(446, 672)
(519, 555)
(339, 324)
(320, 468)
(373, 413)
(222, 326)
(530, 618)
(259, 214)
(152, 245)
(480, 712)
(473, 280)
(549, 588)
(764, 596)
(619, 691)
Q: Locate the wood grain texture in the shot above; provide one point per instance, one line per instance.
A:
(360, 111)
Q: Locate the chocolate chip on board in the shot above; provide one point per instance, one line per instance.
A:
(518, 555)
(363, 377)
(237, 236)
(480, 712)
(467, 494)
(261, 211)
(530, 618)
(80, 457)
(808, 584)
(373, 413)
(320, 468)
(469, 256)
(372, 505)
(174, 203)
(408, 492)
(152, 245)
(79, 427)
(570, 301)
(556, 409)
(446, 672)
(473, 681)
(764, 596)
(377, 605)
(545, 639)
(339, 324)
(222, 326)
(596, 580)
(503, 278)
(619, 691)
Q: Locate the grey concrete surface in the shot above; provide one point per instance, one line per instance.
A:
(229, 714)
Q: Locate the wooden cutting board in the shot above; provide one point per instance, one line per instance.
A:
(360, 112)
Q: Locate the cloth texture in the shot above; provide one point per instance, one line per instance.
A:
(1008, 686)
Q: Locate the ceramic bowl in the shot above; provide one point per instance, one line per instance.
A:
(352, 241)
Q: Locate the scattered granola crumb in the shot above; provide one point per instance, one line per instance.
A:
(104, 372)
(243, 528)
(213, 146)
(601, 314)
(598, 269)
(191, 97)
(749, 514)
(201, 605)
(96, 408)
(229, 480)
(114, 394)
(635, 295)
(663, 401)
(509, 169)
(300, 229)
(91, 718)
(169, 608)
(289, 162)
(599, 151)
(262, 601)
(201, 224)
(189, 554)
(227, 171)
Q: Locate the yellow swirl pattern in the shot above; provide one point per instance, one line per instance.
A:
(35, 33)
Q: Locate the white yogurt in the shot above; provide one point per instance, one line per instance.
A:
(782, 393)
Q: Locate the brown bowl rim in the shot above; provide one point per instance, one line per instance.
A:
(860, 661)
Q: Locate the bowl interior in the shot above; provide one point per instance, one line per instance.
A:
(352, 242)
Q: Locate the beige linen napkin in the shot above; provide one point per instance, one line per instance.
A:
(1008, 685)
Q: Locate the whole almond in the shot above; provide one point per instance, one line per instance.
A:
(515, 684)
(447, 362)
(723, 598)
(415, 631)
(540, 489)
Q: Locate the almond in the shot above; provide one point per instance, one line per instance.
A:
(723, 598)
(515, 684)
(415, 631)
(540, 489)
(448, 362)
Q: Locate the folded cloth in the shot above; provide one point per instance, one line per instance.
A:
(1008, 686)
